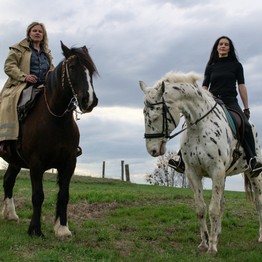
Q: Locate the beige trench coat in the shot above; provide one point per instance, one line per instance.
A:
(17, 66)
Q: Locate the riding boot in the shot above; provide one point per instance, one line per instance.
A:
(177, 163)
(254, 164)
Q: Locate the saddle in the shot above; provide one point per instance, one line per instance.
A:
(236, 123)
(27, 100)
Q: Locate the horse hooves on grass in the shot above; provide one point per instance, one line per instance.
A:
(8, 210)
(35, 232)
(62, 232)
(212, 252)
(11, 217)
(203, 248)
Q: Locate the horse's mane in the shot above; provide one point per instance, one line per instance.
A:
(179, 77)
(85, 59)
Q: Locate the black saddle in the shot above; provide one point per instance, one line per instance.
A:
(27, 100)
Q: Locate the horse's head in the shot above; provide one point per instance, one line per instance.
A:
(160, 121)
(79, 70)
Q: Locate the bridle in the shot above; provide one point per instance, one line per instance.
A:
(73, 103)
(165, 114)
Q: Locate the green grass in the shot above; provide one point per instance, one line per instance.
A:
(118, 221)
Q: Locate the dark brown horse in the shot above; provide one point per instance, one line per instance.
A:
(49, 137)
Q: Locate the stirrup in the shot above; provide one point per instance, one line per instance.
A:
(78, 151)
(255, 168)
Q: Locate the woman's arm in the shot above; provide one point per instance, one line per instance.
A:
(243, 94)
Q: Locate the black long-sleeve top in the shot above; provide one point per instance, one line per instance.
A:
(221, 78)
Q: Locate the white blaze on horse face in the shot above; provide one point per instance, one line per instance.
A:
(90, 89)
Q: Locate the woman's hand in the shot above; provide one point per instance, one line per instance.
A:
(247, 113)
(31, 79)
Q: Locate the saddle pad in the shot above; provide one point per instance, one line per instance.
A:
(230, 120)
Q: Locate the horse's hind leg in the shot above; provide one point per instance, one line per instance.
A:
(61, 225)
(8, 184)
(257, 188)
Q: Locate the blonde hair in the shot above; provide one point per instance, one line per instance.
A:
(44, 42)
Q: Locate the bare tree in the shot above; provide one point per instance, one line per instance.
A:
(163, 175)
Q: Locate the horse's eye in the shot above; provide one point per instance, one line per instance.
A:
(72, 67)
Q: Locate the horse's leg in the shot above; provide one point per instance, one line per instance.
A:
(196, 184)
(61, 225)
(256, 184)
(216, 210)
(36, 176)
(8, 184)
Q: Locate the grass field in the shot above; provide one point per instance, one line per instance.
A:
(118, 221)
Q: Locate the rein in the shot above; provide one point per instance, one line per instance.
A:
(165, 113)
(73, 103)
(195, 123)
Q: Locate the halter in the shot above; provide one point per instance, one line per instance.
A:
(165, 113)
(73, 103)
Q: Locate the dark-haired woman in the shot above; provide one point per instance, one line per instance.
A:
(222, 72)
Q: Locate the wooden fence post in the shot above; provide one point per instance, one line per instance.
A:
(127, 173)
(103, 169)
(122, 170)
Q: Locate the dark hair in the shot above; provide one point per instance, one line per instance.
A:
(214, 54)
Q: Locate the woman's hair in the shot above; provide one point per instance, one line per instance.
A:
(44, 42)
(214, 54)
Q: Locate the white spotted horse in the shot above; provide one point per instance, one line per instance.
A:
(207, 145)
(49, 137)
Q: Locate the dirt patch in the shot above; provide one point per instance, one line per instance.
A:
(84, 211)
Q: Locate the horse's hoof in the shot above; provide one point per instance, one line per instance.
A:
(32, 231)
(8, 211)
(203, 248)
(10, 216)
(36, 234)
(62, 232)
(212, 251)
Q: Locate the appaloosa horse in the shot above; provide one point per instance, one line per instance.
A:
(49, 137)
(207, 145)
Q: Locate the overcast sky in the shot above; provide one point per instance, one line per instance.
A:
(131, 41)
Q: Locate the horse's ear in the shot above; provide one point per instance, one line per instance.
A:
(66, 50)
(85, 49)
(143, 86)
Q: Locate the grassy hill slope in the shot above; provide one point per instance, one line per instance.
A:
(118, 221)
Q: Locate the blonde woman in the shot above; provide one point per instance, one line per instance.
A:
(27, 64)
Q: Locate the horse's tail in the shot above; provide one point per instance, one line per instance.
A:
(248, 189)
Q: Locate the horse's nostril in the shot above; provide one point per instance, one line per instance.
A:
(153, 152)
